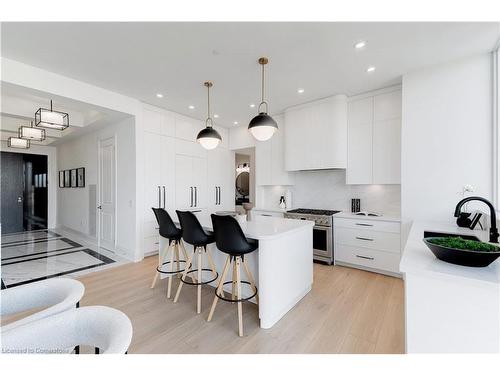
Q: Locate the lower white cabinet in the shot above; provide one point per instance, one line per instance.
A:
(369, 244)
(190, 182)
(220, 186)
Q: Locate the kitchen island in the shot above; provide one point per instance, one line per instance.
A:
(449, 308)
(282, 265)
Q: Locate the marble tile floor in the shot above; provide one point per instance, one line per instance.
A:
(36, 255)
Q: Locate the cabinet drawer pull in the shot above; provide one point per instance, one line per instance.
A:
(157, 243)
(363, 257)
(364, 238)
(364, 225)
(266, 215)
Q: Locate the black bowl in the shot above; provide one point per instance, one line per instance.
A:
(462, 257)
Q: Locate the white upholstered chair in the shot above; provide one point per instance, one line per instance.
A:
(52, 296)
(107, 329)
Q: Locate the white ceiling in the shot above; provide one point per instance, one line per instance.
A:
(143, 59)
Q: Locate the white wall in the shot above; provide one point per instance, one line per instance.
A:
(446, 136)
(52, 175)
(73, 203)
(327, 189)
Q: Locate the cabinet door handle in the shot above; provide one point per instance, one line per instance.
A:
(191, 195)
(363, 257)
(196, 196)
(266, 215)
(364, 238)
(216, 195)
(164, 197)
(159, 196)
(364, 225)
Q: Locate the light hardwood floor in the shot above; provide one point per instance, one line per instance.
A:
(348, 311)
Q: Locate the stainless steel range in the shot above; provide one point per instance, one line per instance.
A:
(322, 232)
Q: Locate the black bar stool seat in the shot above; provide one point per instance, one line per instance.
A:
(193, 234)
(231, 240)
(168, 230)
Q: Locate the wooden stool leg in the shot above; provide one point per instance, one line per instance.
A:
(200, 266)
(220, 287)
(184, 252)
(238, 288)
(252, 281)
(188, 265)
(233, 285)
(169, 287)
(161, 258)
(176, 250)
(212, 266)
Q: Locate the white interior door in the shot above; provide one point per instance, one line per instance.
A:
(107, 194)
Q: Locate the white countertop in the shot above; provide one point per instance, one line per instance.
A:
(350, 215)
(418, 258)
(263, 227)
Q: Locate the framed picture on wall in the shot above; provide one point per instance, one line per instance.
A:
(73, 178)
(61, 179)
(80, 177)
(66, 178)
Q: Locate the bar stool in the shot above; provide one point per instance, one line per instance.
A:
(230, 239)
(193, 233)
(173, 234)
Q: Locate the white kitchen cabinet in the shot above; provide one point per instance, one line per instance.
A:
(187, 128)
(316, 135)
(371, 244)
(270, 159)
(220, 192)
(190, 182)
(360, 142)
(158, 121)
(374, 138)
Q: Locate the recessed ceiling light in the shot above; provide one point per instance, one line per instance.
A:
(159, 96)
(360, 44)
(191, 107)
(300, 91)
(252, 105)
(216, 116)
(235, 123)
(370, 69)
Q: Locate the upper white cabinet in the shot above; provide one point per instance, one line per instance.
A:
(158, 121)
(316, 135)
(270, 159)
(374, 138)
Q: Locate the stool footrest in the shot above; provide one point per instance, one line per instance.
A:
(203, 282)
(158, 269)
(236, 300)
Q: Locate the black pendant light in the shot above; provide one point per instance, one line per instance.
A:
(209, 138)
(262, 126)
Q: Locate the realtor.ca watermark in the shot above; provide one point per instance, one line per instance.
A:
(33, 351)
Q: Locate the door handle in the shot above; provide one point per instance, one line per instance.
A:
(195, 196)
(219, 195)
(191, 195)
(216, 196)
(19, 199)
(159, 196)
(164, 196)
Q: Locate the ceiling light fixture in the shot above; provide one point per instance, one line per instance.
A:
(191, 107)
(159, 96)
(370, 69)
(300, 91)
(262, 126)
(209, 138)
(50, 119)
(31, 133)
(252, 105)
(14, 142)
(235, 123)
(216, 116)
(359, 45)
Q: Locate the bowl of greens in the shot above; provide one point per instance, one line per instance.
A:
(461, 251)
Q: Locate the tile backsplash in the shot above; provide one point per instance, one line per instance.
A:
(327, 189)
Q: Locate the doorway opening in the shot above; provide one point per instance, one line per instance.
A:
(24, 192)
(244, 177)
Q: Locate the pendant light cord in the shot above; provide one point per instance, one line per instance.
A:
(209, 119)
(263, 84)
